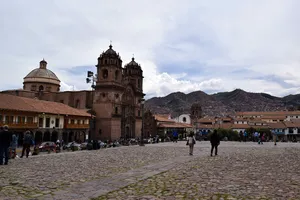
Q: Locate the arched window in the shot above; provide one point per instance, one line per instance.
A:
(77, 105)
(104, 73)
(184, 119)
(105, 61)
(116, 75)
(41, 88)
(116, 110)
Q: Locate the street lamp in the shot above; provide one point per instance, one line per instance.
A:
(91, 78)
(142, 101)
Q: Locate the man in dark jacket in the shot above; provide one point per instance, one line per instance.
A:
(215, 141)
(5, 139)
(27, 141)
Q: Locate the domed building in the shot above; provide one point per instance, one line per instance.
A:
(114, 102)
(41, 80)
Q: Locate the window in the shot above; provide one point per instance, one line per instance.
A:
(117, 96)
(29, 120)
(21, 120)
(41, 88)
(104, 73)
(116, 110)
(41, 122)
(11, 119)
(103, 95)
(72, 121)
(116, 75)
(57, 122)
(298, 130)
(184, 119)
(47, 122)
(33, 88)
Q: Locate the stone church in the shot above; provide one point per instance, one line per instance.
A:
(115, 103)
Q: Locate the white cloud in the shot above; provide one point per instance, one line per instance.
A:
(201, 42)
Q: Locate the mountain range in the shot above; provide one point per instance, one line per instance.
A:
(221, 104)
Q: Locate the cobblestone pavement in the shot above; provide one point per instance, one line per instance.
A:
(159, 171)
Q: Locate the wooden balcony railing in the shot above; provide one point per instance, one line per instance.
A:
(20, 125)
(77, 126)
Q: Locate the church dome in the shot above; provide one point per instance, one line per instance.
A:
(133, 64)
(42, 75)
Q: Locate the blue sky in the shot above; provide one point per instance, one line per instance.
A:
(184, 46)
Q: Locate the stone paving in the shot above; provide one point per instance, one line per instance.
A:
(159, 171)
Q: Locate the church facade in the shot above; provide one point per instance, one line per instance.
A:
(114, 104)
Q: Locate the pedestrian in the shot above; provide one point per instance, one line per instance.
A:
(175, 136)
(13, 146)
(27, 141)
(5, 139)
(191, 141)
(274, 137)
(214, 141)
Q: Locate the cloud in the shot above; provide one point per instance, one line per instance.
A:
(200, 45)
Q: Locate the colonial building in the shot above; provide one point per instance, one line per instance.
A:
(115, 100)
(118, 95)
(48, 121)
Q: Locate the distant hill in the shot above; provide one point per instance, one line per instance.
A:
(222, 103)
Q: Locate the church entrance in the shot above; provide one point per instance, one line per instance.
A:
(128, 122)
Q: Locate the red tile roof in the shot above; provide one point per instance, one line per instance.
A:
(174, 125)
(240, 126)
(278, 125)
(163, 118)
(11, 102)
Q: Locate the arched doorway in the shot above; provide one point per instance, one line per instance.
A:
(71, 136)
(46, 136)
(38, 137)
(54, 136)
(65, 137)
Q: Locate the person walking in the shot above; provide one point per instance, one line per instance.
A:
(27, 141)
(215, 141)
(13, 146)
(274, 137)
(191, 141)
(5, 139)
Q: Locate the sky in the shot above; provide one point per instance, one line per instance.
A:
(207, 45)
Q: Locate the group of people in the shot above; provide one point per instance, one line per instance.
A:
(9, 144)
(214, 141)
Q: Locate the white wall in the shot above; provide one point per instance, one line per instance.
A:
(181, 117)
(52, 120)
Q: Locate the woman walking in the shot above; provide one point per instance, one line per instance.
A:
(191, 141)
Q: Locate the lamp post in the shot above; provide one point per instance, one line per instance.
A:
(91, 78)
(142, 101)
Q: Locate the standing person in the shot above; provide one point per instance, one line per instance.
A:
(175, 136)
(27, 141)
(215, 141)
(14, 145)
(191, 141)
(274, 137)
(5, 138)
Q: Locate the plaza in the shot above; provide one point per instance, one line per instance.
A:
(158, 171)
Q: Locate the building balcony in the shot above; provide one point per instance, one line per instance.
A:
(20, 125)
(77, 126)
